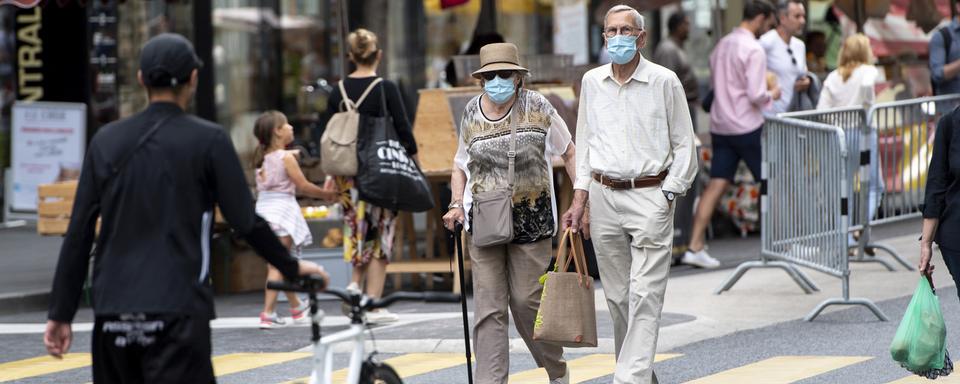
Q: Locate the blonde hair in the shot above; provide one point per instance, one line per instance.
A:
(854, 53)
(363, 46)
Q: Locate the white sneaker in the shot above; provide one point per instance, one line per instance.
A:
(353, 287)
(381, 316)
(700, 259)
(565, 379)
(804, 251)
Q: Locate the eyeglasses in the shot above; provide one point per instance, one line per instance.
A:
(502, 74)
(792, 58)
(613, 31)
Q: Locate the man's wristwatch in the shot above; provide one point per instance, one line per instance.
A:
(669, 195)
(455, 204)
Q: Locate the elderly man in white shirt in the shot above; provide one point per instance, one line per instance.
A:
(635, 155)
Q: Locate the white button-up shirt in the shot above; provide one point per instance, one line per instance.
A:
(640, 128)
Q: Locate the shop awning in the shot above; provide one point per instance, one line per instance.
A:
(906, 27)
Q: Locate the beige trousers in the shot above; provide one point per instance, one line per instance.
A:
(632, 232)
(509, 275)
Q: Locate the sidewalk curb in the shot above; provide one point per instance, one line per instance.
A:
(18, 302)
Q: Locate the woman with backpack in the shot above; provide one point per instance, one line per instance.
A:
(368, 229)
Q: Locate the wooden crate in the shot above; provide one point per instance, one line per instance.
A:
(54, 205)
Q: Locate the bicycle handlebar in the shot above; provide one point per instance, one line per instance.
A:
(311, 283)
(429, 297)
(316, 283)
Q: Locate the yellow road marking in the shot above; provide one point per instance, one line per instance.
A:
(407, 365)
(781, 369)
(239, 362)
(43, 365)
(583, 369)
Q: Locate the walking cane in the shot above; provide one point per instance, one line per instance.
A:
(457, 234)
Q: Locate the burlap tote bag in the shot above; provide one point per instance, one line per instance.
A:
(567, 316)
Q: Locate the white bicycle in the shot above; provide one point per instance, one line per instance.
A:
(362, 370)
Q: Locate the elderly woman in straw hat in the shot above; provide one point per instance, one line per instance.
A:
(507, 274)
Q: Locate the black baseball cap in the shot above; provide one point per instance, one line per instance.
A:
(167, 60)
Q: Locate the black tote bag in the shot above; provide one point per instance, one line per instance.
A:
(387, 177)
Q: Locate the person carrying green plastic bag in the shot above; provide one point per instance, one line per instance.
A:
(920, 342)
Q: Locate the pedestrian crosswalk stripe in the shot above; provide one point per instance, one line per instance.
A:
(239, 362)
(583, 369)
(781, 369)
(407, 365)
(952, 379)
(43, 365)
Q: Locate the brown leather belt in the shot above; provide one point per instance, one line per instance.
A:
(640, 182)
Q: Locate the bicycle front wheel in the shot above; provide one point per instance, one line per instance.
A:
(378, 373)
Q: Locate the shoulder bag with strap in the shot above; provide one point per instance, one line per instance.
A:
(122, 162)
(338, 145)
(492, 211)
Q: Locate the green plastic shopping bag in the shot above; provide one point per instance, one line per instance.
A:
(920, 342)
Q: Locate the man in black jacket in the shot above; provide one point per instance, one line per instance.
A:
(154, 179)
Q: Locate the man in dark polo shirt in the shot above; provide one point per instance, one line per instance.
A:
(154, 179)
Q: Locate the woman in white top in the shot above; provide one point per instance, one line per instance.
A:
(852, 83)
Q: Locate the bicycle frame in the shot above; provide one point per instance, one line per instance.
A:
(323, 347)
(323, 353)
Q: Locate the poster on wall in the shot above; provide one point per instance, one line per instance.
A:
(570, 29)
(48, 144)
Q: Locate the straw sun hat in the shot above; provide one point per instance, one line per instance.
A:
(499, 57)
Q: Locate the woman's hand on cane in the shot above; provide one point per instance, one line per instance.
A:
(452, 217)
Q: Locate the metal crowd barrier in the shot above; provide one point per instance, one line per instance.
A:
(852, 120)
(804, 207)
(862, 149)
(904, 132)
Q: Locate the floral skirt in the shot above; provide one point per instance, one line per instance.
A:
(368, 230)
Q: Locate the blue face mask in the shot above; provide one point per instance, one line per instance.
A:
(499, 90)
(622, 48)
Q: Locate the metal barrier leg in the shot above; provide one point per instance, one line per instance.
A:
(839, 301)
(799, 277)
(862, 258)
(894, 254)
(846, 300)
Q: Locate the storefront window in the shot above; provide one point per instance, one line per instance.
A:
(311, 64)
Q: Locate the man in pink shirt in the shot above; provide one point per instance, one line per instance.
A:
(741, 92)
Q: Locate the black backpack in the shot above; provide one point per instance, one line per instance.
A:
(947, 40)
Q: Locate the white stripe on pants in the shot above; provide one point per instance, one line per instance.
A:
(632, 232)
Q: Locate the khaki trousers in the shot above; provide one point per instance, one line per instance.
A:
(632, 232)
(509, 275)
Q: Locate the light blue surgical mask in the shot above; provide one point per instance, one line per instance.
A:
(622, 48)
(499, 89)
